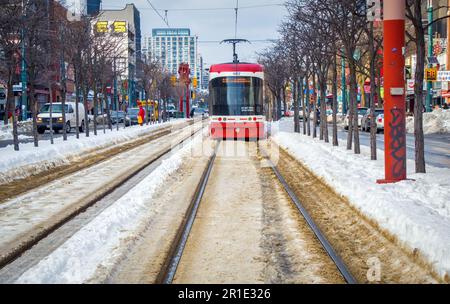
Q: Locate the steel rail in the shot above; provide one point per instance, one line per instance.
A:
(169, 269)
(18, 251)
(348, 277)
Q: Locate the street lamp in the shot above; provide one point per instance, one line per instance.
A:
(430, 54)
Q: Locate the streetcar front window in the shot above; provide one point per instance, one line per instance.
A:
(236, 96)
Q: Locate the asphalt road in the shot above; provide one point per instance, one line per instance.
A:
(437, 146)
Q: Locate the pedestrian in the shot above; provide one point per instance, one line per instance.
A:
(141, 115)
(191, 115)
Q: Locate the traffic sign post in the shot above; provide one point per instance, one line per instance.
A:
(394, 85)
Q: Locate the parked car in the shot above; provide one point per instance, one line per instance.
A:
(117, 117)
(133, 114)
(171, 110)
(43, 118)
(361, 113)
(380, 123)
(365, 121)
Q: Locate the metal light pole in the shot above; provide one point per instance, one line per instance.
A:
(394, 84)
(430, 54)
(116, 102)
(344, 88)
(23, 101)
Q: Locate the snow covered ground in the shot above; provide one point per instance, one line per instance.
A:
(29, 159)
(102, 237)
(23, 129)
(416, 212)
(437, 121)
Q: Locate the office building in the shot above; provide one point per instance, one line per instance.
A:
(173, 46)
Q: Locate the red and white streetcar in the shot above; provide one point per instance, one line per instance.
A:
(236, 101)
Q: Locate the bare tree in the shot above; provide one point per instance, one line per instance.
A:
(11, 25)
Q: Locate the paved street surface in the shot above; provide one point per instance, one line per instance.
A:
(437, 146)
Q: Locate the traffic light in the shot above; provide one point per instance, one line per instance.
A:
(194, 82)
(173, 80)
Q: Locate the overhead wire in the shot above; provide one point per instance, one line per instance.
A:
(157, 12)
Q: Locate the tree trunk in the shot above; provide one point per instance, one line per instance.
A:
(323, 120)
(51, 112)
(296, 108)
(11, 107)
(353, 97)
(33, 104)
(314, 107)
(335, 103)
(418, 104)
(77, 114)
(108, 111)
(302, 103)
(308, 107)
(86, 117)
(95, 108)
(63, 103)
(279, 104)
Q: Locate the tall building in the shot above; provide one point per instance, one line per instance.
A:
(83, 7)
(93, 7)
(128, 23)
(173, 46)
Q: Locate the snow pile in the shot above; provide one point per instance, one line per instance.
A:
(23, 127)
(31, 160)
(79, 257)
(437, 121)
(416, 212)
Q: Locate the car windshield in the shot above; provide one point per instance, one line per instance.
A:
(133, 111)
(362, 111)
(56, 108)
(379, 111)
(120, 113)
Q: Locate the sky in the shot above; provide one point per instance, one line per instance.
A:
(214, 25)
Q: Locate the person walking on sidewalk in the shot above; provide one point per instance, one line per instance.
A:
(141, 115)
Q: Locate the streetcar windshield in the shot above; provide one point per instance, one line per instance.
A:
(236, 96)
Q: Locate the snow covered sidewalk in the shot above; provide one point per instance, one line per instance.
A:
(416, 212)
(31, 160)
(97, 244)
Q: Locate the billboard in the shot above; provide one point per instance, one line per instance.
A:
(111, 26)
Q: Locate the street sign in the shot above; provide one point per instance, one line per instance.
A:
(431, 74)
(443, 76)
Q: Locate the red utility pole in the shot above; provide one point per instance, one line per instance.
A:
(184, 72)
(394, 91)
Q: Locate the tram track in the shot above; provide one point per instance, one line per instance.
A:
(26, 243)
(168, 272)
(343, 269)
(170, 266)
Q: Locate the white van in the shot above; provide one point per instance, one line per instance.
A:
(43, 118)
